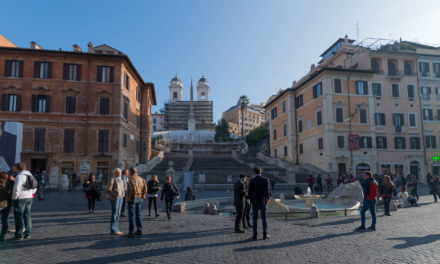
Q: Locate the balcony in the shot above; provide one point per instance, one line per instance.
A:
(395, 74)
(424, 74)
(426, 97)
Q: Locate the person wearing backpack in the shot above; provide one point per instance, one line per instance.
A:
(25, 187)
(169, 191)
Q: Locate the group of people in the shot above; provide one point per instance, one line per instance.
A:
(251, 193)
(317, 186)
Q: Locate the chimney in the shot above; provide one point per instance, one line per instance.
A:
(293, 84)
(77, 48)
(90, 46)
(346, 40)
(312, 67)
(34, 45)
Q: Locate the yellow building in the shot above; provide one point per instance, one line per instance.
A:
(253, 118)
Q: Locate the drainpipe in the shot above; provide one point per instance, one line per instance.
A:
(351, 118)
(421, 119)
(87, 108)
(296, 128)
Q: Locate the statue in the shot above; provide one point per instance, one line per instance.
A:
(64, 182)
(170, 171)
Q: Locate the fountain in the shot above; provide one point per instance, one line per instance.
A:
(309, 198)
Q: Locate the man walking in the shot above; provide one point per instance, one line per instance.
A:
(370, 189)
(124, 178)
(259, 195)
(22, 202)
(136, 194)
(239, 201)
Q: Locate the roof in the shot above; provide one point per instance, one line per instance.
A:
(251, 107)
(336, 43)
(203, 79)
(4, 42)
(176, 79)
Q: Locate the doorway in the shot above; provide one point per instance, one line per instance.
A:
(342, 169)
(38, 165)
(414, 169)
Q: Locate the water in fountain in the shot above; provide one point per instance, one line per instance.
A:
(309, 191)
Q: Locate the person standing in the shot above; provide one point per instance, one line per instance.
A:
(22, 202)
(260, 196)
(6, 186)
(115, 193)
(435, 186)
(386, 192)
(247, 207)
(153, 191)
(329, 182)
(319, 181)
(189, 196)
(124, 178)
(310, 182)
(239, 201)
(91, 188)
(99, 179)
(169, 191)
(370, 190)
(136, 194)
(42, 179)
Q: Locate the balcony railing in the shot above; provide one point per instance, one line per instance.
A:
(395, 74)
(426, 97)
(424, 74)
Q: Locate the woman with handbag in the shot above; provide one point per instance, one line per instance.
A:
(115, 193)
(152, 193)
(91, 188)
(6, 185)
(169, 191)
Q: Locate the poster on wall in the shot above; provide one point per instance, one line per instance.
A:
(11, 140)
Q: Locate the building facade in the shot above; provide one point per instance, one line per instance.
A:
(253, 117)
(81, 111)
(157, 122)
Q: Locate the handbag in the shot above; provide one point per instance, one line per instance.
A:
(3, 204)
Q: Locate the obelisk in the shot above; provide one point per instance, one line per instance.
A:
(191, 120)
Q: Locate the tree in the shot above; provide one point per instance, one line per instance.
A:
(222, 131)
(243, 100)
(257, 135)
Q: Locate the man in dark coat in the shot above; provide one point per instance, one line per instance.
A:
(259, 195)
(239, 201)
(8, 143)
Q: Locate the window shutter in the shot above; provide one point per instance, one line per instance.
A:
(20, 73)
(66, 71)
(5, 102)
(106, 140)
(37, 69)
(7, 68)
(315, 92)
(434, 142)
(402, 119)
(429, 90)
(369, 143)
(47, 103)
(34, 102)
(99, 74)
(18, 102)
(111, 74)
(73, 104)
(49, 70)
(365, 87)
(78, 72)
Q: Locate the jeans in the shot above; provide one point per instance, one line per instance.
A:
(239, 209)
(247, 210)
(91, 203)
(4, 217)
(386, 204)
(369, 205)
(41, 191)
(22, 216)
(135, 215)
(169, 205)
(262, 209)
(116, 213)
(123, 206)
(150, 201)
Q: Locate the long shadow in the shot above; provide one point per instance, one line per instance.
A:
(415, 241)
(339, 222)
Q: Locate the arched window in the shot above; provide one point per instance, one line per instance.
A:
(374, 65)
(408, 68)
(203, 95)
(392, 69)
(175, 96)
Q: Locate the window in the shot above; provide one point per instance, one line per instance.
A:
(377, 89)
(379, 119)
(407, 68)
(374, 66)
(138, 121)
(138, 146)
(40, 103)
(392, 68)
(430, 142)
(274, 134)
(284, 106)
(104, 106)
(317, 90)
(300, 126)
(124, 140)
(427, 114)
(298, 101)
(412, 120)
(395, 90)
(320, 143)
(138, 94)
(426, 93)
(437, 70)
(40, 139)
(414, 142)
(105, 74)
(69, 140)
(438, 114)
(285, 151)
(381, 142)
(301, 148)
(319, 118)
(309, 124)
(284, 130)
(72, 72)
(362, 87)
(365, 142)
(363, 116)
(11, 102)
(125, 113)
(339, 115)
(42, 70)
(341, 142)
(338, 85)
(103, 140)
(424, 69)
(410, 91)
(70, 104)
(274, 113)
(437, 93)
(399, 143)
(398, 122)
(127, 81)
(13, 68)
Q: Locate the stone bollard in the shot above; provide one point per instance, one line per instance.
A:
(206, 208)
(282, 197)
(213, 210)
(314, 212)
(179, 207)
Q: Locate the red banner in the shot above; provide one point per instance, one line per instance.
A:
(353, 142)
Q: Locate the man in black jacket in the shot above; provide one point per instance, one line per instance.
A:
(239, 201)
(259, 195)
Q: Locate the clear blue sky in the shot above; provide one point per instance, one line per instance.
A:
(252, 47)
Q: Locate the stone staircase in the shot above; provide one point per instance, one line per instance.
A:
(269, 170)
(179, 160)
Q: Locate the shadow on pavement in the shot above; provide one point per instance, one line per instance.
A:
(415, 241)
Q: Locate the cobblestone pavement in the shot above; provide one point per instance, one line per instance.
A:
(65, 233)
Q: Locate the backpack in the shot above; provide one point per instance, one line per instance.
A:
(174, 189)
(31, 182)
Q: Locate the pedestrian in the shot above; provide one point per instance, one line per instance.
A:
(22, 195)
(115, 193)
(370, 190)
(42, 179)
(340, 180)
(298, 190)
(412, 186)
(260, 196)
(136, 194)
(310, 182)
(435, 186)
(124, 178)
(386, 193)
(153, 190)
(73, 181)
(169, 191)
(272, 183)
(239, 201)
(189, 196)
(91, 188)
(6, 186)
(319, 181)
(247, 207)
(329, 182)
(99, 179)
